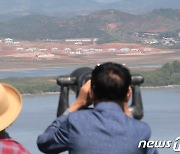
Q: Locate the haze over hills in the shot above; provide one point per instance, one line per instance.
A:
(143, 6)
(102, 24)
(67, 8)
(62, 8)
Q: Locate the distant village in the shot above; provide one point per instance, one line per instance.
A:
(152, 38)
(78, 46)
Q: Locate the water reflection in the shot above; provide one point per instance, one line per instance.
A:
(161, 112)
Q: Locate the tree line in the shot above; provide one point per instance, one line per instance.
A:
(168, 74)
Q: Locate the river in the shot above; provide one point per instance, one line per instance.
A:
(161, 106)
(36, 72)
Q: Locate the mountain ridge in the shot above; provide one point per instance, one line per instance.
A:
(64, 8)
(102, 24)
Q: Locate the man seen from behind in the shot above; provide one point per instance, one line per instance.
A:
(108, 128)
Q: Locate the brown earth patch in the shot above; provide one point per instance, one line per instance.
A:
(112, 26)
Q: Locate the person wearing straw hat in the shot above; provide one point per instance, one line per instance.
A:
(10, 107)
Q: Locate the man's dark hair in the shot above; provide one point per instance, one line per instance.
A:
(110, 82)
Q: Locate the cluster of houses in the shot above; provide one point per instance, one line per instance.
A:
(33, 49)
(164, 41)
(152, 38)
(80, 41)
(169, 41)
(82, 51)
(43, 52)
(95, 51)
(10, 42)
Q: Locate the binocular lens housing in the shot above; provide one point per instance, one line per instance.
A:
(77, 79)
(73, 80)
(137, 79)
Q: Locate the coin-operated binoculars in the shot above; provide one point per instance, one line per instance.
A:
(78, 77)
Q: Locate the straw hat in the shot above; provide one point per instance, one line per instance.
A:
(10, 105)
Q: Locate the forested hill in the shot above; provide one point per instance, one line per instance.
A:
(101, 24)
(168, 74)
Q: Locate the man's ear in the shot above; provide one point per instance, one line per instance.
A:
(128, 95)
(91, 94)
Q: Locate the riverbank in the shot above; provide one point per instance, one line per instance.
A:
(168, 76)
(58, 93)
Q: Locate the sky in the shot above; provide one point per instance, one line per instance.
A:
(107, 1)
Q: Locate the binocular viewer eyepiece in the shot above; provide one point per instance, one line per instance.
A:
(67, 80)
(76, 79)
(80, 76)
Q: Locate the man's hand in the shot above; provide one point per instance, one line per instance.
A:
(83, 99)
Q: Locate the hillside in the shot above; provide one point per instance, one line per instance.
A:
(142, 6)
(101, 24)
(62, 8)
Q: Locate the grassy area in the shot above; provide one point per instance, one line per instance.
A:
(33, 85)
(168, 74)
